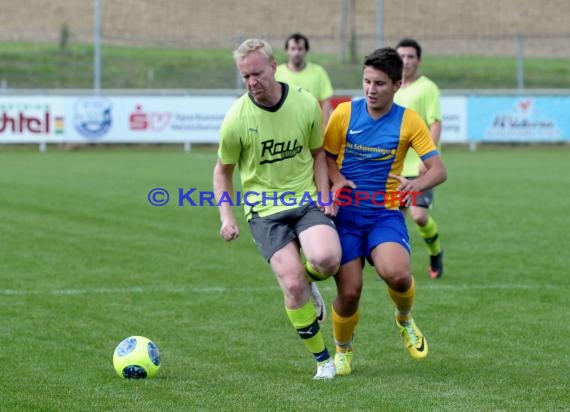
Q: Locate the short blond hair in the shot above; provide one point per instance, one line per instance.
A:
(252, 45)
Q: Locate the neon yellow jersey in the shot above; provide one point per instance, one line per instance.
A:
(423, 97)
(272, 148)
(312, 78)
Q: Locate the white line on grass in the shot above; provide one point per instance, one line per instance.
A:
(213, 290)
(95, 291)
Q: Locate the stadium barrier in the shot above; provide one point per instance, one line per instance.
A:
(187, 118)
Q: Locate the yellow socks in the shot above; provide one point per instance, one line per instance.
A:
(304, 319)
(404, 302)
(343, 329)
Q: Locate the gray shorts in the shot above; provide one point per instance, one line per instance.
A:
(424, 199)
(273, 232)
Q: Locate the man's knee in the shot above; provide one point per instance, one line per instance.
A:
(398, 279)
(421, 221)
(295, 289)
(327, 263)
(420, 216)
(350, 296)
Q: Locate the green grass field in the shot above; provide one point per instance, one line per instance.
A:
(87, 261)
(24, 65)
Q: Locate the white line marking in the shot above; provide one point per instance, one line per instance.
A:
(437, 285)
(95, 291)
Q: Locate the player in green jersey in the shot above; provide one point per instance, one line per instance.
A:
(310, 76)
(273, 133)
(422, 95)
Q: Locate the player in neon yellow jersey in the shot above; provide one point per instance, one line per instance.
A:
(422, 95)
(310, 76)
(274, 135)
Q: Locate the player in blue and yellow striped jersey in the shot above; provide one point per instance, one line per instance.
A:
(366, 141)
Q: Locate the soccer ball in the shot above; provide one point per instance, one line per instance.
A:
(314, 276)
(136, 357)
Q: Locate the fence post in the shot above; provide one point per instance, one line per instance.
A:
(97, 47)
(353, 43)
(343, 31)
(239, 85)
(379, 23)
(520, 61)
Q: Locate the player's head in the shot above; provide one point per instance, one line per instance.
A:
(296, 46)
(252, 46)
(386, 60)
(381, 78)
(411, 43)
(256, 64)
(411, 54)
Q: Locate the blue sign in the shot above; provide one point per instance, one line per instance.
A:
(518, 118)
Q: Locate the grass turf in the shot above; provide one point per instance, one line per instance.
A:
(26, 65)
(87, 261)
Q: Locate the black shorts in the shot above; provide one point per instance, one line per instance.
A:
(424, 199)
(273, 232)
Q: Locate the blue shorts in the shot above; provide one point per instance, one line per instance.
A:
(361, 232)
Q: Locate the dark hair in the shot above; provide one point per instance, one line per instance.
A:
(297, 37)
(411, 43)
(386, 60)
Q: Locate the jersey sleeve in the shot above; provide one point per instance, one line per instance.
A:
(325, 86)
(230, 145)
(316, 132)
(419, 136)
(432, 105)
(335, 132)
(280, 74)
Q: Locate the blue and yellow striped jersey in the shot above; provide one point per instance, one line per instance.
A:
(368, 150)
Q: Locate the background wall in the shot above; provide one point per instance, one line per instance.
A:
(445, 27)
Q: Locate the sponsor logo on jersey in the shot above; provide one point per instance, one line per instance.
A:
(272, 151)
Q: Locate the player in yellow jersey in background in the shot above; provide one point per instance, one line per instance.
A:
(310, 76)
(422, 95)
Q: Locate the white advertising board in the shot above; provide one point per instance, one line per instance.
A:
(454, 119)
(123, 119)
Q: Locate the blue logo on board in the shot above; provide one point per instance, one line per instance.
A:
(92, 117)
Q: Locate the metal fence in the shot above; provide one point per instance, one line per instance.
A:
(147, 43)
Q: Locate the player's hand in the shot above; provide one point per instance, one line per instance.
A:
(229, 230)
(327, 205)
(330, 210)
(410, 188)
(338, 185)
